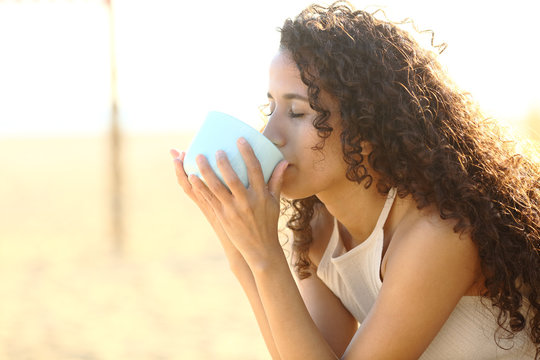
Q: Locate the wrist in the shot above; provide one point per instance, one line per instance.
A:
(267, 260)
(238, 265)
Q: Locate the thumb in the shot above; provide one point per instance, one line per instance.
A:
(276, 181)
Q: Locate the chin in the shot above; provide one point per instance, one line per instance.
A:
(293, 188)
(291, 193)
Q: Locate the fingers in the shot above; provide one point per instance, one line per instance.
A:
(174, 153)
(212, 189)
(202, 202)
(194, 187)
(181, 175)
(229, 175)
(204, 193)
(213, 184)
(254, 169)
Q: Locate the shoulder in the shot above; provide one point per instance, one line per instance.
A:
(428, 270)
(425, 241)
(424, 231)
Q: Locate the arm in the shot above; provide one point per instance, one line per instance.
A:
(335, 322)
(237, 263)
(246, 280)
(408, 313)
(428, 272)
(410, 309)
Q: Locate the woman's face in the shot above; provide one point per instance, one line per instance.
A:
(290, 128)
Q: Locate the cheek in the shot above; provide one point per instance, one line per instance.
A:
(291, 177)
(313, 170)
(296, 184)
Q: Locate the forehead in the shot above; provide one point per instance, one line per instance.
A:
(282, 61)
(285, 78)
(284, 75)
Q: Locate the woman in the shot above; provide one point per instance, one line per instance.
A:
(416, 228)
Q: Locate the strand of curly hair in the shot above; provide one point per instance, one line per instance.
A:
(429, 140)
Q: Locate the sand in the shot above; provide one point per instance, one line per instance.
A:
(66, 294)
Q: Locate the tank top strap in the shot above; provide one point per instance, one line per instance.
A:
(386, 208)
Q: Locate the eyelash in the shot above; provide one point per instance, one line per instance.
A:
(295, 115)
(290, 113)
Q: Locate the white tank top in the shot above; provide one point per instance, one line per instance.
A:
(354, 277)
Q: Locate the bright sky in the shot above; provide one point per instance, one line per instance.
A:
(176, 61)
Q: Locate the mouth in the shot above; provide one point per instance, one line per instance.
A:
(288, 169)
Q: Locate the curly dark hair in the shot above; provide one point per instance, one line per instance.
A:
(429, 140)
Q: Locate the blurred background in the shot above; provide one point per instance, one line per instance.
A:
(102, 256)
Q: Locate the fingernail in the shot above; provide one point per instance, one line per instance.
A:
(220, 154)
(242, 140)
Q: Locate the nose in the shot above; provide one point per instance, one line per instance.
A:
(273, 132)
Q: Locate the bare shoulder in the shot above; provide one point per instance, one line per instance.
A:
(423, 236)
(429, 269)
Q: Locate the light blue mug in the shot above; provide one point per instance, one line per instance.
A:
(220, 131)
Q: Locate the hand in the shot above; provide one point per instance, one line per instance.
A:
(235, 258)
(249, 216)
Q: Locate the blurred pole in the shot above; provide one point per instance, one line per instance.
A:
(115, 138)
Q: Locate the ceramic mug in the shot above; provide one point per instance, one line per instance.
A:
(220, 131)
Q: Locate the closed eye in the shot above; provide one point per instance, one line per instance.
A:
(295, 115)
(266, 109)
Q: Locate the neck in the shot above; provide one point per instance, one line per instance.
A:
(356, 207)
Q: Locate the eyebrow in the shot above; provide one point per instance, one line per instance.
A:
(291, 96)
